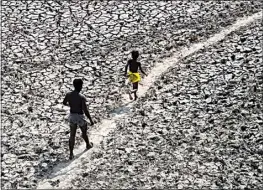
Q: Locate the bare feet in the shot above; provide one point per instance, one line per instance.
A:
(130, 97)
(89, 146)
(71, 156)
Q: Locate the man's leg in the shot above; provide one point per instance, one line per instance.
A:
(73, 129)
(85, 136)
(135, 88)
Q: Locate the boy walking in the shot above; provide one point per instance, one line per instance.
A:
(133, 74)
(77, 104)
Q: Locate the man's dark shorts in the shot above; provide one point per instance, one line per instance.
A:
(77, 120)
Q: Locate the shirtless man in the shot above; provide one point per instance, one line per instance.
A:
(133, 74)
(77, 104)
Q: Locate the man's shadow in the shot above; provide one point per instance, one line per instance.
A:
(56, 170)
(60, 165)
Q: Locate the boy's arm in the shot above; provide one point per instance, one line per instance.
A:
(126, 68)
(86, 111)
(140, 66)
(65, 101)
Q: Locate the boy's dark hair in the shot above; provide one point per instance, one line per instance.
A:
(135, 54)
(77, 83)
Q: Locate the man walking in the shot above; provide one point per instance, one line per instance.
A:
(77, 104)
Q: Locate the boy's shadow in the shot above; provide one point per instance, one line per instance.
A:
(123, 109)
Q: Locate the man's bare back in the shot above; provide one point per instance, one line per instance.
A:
(75, 100)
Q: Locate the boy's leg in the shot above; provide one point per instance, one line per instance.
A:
(127, 83)
(135, 88)
(73, 129)
(85, 136)
(130, 96)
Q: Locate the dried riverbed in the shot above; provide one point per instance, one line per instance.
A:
(47, 44)
(199, 127)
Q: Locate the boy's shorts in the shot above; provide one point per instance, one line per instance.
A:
(77, 119)
(134, 77)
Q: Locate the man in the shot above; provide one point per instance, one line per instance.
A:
(77, 104)
(133, 74)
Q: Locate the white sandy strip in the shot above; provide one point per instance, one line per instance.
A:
(68, 171)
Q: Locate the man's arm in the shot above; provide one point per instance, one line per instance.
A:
(65, 101)
(86, 111)
(140, 67)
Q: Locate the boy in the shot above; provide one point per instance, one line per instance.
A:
(133, 74)
(77, 104)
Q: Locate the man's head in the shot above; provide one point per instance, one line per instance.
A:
(78, 83)
(135, 55)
